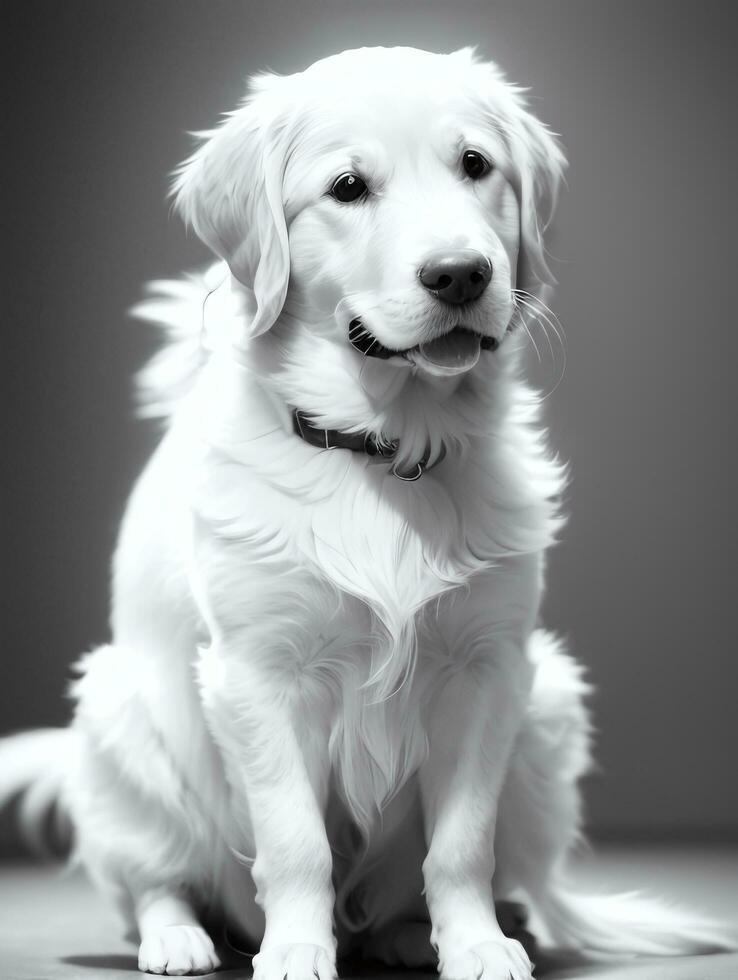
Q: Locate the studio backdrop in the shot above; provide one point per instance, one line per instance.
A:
(99, 97)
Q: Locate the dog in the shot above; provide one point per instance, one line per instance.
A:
(328, 715)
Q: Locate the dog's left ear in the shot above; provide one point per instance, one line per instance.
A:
(230, 192)
(535, 167)
(538, 164)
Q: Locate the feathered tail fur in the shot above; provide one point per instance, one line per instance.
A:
(630, 923)
(33, 767)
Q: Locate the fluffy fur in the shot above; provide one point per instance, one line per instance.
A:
(327, 713)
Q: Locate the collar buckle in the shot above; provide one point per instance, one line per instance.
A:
(376, 447)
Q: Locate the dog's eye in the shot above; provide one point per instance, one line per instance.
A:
(475, 165)
(347, 188)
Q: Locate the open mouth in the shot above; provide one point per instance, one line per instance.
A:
(451, 353)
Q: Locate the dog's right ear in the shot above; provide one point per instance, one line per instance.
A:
(230, 192)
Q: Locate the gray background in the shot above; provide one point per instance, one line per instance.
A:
(99, 98)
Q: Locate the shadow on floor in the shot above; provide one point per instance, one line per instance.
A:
(111, 961)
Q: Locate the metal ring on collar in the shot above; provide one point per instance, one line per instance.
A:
(412, 477)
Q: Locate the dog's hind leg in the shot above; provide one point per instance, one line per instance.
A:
(539, 822)
(144, 833)
(172, 940)
(539, 812)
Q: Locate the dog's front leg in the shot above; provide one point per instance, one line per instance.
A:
(473, 720)
(273, 739)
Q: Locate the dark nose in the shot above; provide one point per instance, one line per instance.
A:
(456, 276)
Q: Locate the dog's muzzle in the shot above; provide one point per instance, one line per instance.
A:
(448, 350)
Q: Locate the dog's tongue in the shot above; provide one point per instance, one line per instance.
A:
(454, 352)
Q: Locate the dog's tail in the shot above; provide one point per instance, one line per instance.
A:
(34, 766)
(629, 924)
(188, 313)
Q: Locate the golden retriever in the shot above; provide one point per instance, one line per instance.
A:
(327, 714)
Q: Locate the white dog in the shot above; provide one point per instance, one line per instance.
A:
(327, 715)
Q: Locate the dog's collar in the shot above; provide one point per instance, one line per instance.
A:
(359, 442)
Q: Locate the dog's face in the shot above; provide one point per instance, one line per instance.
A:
(402, 220)
(393, 198)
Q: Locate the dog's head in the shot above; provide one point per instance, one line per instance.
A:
(396, 195)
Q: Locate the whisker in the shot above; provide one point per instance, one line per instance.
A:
(530, 336)
(553, 318)
(536, 317)
(541, 317)
(542, 311)
(541, 324)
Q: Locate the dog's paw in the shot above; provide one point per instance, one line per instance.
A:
(499, 959)
(178, 951)
(294, 961)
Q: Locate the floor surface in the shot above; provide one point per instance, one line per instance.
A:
(54, 927)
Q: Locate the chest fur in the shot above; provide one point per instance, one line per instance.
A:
(332, 565)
